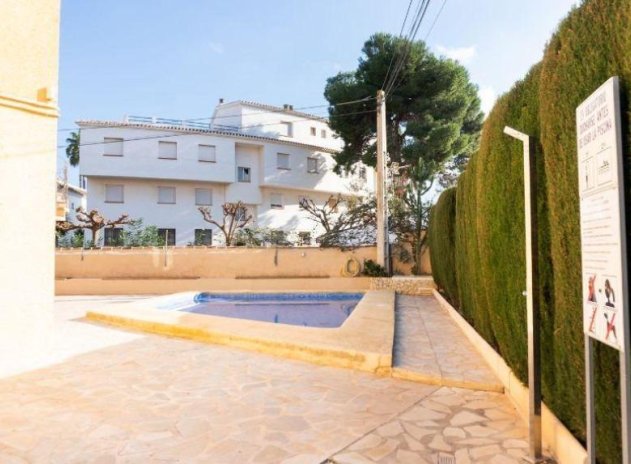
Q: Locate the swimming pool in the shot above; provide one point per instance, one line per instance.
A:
(303, 309)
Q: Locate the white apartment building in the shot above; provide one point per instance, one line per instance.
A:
(162, 170)
(69, 198)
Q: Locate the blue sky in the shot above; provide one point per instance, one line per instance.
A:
(177, 58)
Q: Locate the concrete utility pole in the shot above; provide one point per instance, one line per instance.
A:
(380, 190)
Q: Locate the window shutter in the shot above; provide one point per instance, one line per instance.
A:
(166, 195)
(203, 197)
(276, 200)
(167, 150)
(114, 194)
(112, 146)
(282, 161)
(207, 153)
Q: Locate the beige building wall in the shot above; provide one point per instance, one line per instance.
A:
(29, 57)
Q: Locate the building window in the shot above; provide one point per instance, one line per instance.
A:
(241, 214)
(114, 194)
(276, 201)
(282, 161)
(243, 174)
(167, 150)
(362, 173)
(304, 238)
(167, 236)
(206, 153)
(312, 165)
(278, 237)
(112, 146)
(313, 131)
(203, 197)
(203, 237)
(286, 129)
(323, 133)
(113, 237)
(166, 195)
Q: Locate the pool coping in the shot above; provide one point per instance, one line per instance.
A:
(363, 342)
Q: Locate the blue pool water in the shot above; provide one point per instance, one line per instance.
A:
(306, 309)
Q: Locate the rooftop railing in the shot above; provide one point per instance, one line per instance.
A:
(185, 123)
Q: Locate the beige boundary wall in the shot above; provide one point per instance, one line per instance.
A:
(111, 271)
(556, 437)
(207, 263)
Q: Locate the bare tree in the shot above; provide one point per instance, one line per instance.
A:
(235, 217)
(92, 221)
(346, 221)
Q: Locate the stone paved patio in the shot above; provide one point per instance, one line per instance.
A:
(429, 347)
(123, 397)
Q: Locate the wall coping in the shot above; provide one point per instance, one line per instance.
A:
(566, 448)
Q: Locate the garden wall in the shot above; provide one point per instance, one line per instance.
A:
(202, 262)
(194, 263)
(591, 45)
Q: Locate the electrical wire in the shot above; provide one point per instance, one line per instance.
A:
(414, 28)
(394, 51)
(435, 19)
(422, 10)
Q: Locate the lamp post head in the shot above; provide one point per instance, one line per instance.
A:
(516, 134)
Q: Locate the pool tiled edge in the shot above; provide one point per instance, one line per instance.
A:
(364, 342)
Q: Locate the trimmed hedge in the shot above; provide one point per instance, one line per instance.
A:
(592, 44)
(442, 241)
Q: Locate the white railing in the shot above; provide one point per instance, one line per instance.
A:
(185, 123)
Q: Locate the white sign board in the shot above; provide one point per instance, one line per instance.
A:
(603, 239)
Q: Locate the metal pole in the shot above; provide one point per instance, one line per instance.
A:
(166, 244)
(589, 401)
(379, 187)
(532, 298)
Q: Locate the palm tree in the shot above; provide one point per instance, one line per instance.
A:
(72, 149)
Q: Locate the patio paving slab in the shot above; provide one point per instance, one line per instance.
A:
(112, 397)
(429, 347)
(152, 399)
(451, 425)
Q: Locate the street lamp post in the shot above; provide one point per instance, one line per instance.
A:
(532, 298)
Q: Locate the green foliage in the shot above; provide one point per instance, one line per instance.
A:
(432, 113)
(136, 235)
(409, 213)
(72, 148)
(442, 244)
(372, 269)
(591, 45)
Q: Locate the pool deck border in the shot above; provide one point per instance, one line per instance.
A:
(364, 342)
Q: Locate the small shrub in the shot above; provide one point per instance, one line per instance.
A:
(372, 269)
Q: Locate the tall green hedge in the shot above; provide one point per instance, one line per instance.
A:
(592, 44)
(442, 241)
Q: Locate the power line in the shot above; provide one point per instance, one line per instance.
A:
(416, 23)
(422, 10)
(394, 50)
(202, 131)
(435, 19)
(279, 110)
